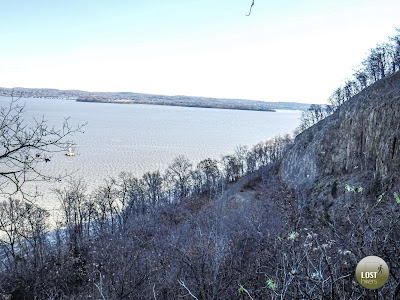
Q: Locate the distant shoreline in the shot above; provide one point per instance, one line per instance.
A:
(140, 98)
(233, 107)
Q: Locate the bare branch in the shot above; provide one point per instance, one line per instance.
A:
(25, 148)
(246, 291)
(186, 288)
(252, 4)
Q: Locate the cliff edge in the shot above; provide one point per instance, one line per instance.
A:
(358, 144)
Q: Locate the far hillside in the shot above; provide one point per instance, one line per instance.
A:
(137, 98)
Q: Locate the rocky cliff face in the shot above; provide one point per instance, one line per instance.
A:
(359, 143)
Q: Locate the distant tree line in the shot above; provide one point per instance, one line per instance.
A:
(382, 61)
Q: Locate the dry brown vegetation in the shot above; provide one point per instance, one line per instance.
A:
(183, 235)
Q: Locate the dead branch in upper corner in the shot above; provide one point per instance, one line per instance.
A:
(252, 4)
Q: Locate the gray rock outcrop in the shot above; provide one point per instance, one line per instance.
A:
(360, 140)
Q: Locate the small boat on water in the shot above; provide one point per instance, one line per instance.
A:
(70, 153)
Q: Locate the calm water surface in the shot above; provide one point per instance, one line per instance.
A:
(140, 138)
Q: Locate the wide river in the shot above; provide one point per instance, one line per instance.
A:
(138, 138)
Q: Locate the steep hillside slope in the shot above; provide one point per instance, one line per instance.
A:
(358, 144)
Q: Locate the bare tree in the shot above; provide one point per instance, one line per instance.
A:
(337, 98)
(350, 89)
(312, 115)
(73, 202)
(209, 174)
(382, 61)
(395, 51)
(26, 147)
(232, 167)
(22, 230)
(153, 183)
(362, 78)
(180, 173)
(12, 213)
(241, 154)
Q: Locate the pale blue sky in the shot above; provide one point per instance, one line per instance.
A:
(285, 51)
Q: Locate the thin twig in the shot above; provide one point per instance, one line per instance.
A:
(100, 286)
(252, 4)
(186, 288)
(154, 292)
(246, 291)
